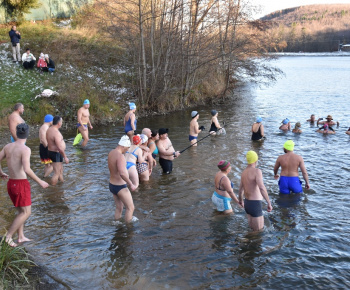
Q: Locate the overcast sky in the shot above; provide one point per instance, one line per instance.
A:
(269, 6)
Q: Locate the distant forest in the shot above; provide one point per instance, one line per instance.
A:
(311, 28)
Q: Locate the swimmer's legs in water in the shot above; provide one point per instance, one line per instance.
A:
(58, 172)
(134, 176)
(85, 134)
(256, 223)
(18, 225)
(124, 198)
(48, 169)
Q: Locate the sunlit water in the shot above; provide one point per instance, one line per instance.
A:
(179, 241)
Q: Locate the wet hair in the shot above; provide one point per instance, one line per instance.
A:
(27, 48)
(17, 106)
(56, 120)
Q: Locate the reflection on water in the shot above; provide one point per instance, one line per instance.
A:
(179, 241)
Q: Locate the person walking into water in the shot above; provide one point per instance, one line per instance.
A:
(258, 129)
(17, 156)
(290, 163)
(215, 125)
(223, 193)
(166, 151)
(15, 119)
(253, 188)
(43, 147)
(84, 123)
(130, 121)
(194, 128)
(56, 149)
(119, 180)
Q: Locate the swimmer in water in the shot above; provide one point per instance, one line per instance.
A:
(144, 169)
(297, 128)
(83, 117)
(329, 121)
(285, 125)
(223, 193)
(194, 128)
(130, 121)
(119, 180)
(253, 188)
(325, 129)
(166, 151)
(43, 147)
(215, 125)
(348, 132)
(258, 130)
(312, 119)
(290, 163)
(132, 156)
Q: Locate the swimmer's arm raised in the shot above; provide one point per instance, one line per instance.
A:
(304, 172)
(263, 191)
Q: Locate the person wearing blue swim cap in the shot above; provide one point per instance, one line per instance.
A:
(43, 147)
(258, 130)
(83, 123)
(130, 121)
(286, 126)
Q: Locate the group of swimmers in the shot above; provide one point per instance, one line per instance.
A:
(133, 160)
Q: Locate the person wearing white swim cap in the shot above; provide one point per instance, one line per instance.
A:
(119, 180)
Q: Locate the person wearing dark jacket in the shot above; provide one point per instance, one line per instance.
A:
(50, 63)
(15, 36)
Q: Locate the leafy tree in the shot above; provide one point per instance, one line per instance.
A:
(17, 8)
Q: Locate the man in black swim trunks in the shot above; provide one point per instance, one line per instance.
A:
(56, 146)
(254, 190)
(119, 178)
(166, 150)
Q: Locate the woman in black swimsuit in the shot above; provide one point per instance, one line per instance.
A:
(258, 129)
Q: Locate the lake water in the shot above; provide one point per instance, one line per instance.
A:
(179, 241)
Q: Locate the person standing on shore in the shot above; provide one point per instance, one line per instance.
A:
(253, 188)
(17, 156)
(166, 150)
(43, 147)
(119, 180)
(84, 122)
(130, 121)
(15, 119)
(290, 163)
(15, 37)
(194, 128)
(56, 149)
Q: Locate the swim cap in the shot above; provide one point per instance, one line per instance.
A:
(285, 121)
(252, 157)
(289, 145)
(136, 139)
(194, 114)
(223, 165)
(48, 118)
(144, 138)
(22, 131)
(258, 119)
(329, 117)
(213, 112)
(124, 141)
(162, 131)
(297, 125)
(132, 106)
(86, 102)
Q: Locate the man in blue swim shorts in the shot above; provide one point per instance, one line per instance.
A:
(194, 128)
(290, 163)
(253, 188)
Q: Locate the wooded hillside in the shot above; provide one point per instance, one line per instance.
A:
(311, 28)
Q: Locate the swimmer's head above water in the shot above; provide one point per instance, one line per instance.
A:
(124, 141)
(224, 165)
(289, 145)
(252, 157)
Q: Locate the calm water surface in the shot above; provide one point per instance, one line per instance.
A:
(179, 241)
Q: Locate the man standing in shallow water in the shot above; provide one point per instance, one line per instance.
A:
(56, 148)
(14, 119)
(43, 147)
(119, 178)
(290, 163)
(17, 155)
(166, 150)
(84, 121)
